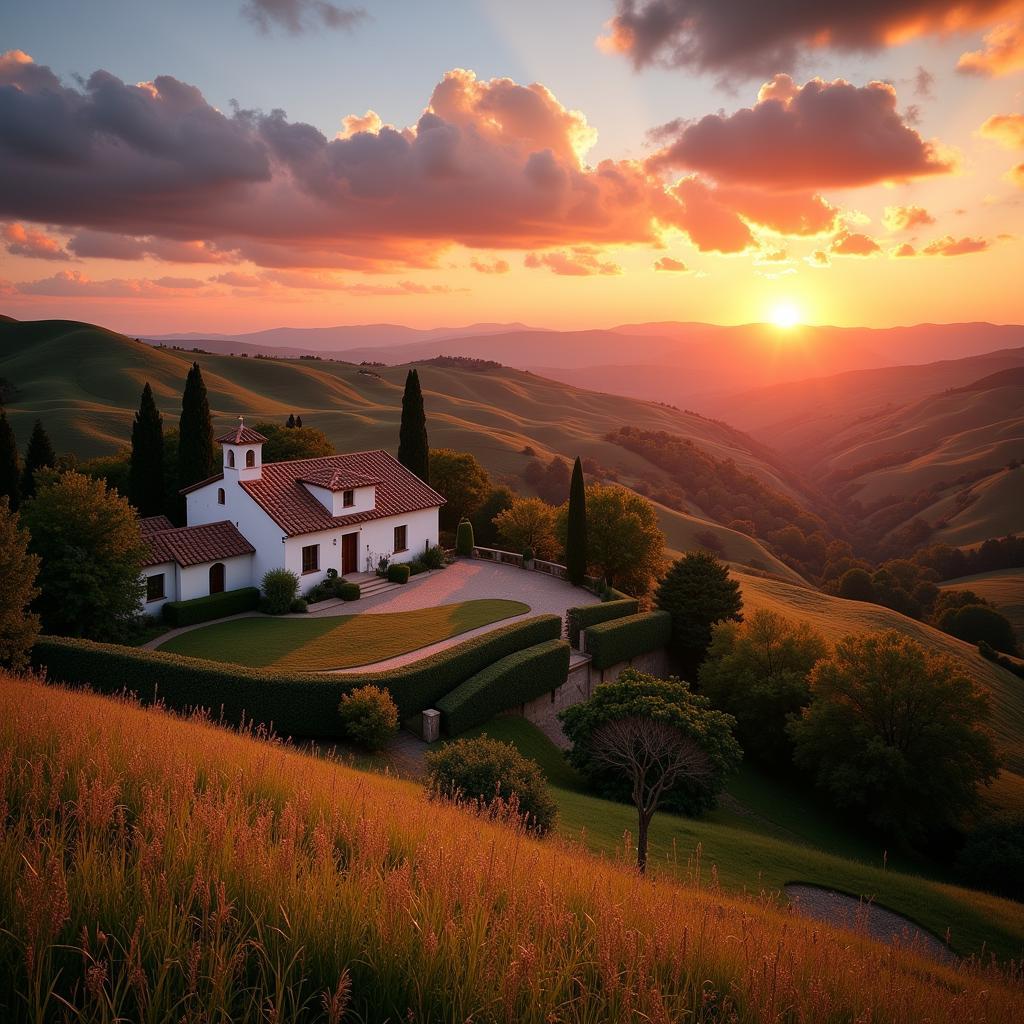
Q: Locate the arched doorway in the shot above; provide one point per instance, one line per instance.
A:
(217, 578)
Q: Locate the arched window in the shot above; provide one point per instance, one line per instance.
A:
(220, 495)
(250, 458)
(231, 458)
(217, 578)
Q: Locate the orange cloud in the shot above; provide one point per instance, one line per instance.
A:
(580, 262)
(1006, 129)
(352, 124)
(497, 267)
(24, 240)
(73, 283)
(903, 218)
(903, 250)
(1003, 53)
(669, 264)
(848, 243)
(950, 246)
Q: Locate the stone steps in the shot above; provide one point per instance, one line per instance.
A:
(376, 586)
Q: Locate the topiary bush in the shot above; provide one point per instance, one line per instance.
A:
(588, 615)
(464, 543)
(347, 590)
(280, 587)
(494, 777)
(433, 557)
(399, 573)
(213, 606)
(368, 717)
(611, 643)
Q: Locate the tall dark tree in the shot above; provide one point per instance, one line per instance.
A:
(195, 432)
(298, 422)
(291, 421)
(38, 455)
(10, 476)
(413, 448)
(576, 527)
(146, 473)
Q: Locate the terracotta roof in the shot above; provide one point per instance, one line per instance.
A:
(150, 524)
(338, 479)
(241, 434)
(282, 495)
(201, 483)
(194, 545)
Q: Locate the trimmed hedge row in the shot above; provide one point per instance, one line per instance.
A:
(213, 606)
(399, 572)
(513, 680)
(296, 704)
(610, 643)
(591, 614)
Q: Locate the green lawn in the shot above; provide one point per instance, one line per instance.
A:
(763, 850)
(330, 642)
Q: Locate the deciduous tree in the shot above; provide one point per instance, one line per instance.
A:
(461, 480)
(295, 442)
(146, 484)
(18, 569)
(528, 523)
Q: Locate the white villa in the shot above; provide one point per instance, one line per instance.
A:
(338, 512)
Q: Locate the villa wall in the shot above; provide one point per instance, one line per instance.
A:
(170, 574)
(194, 580)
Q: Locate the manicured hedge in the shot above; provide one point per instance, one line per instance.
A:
(213, 606)
(514, 680)
(296, 704)
(591, 614)
(399, 572)
(610, 643)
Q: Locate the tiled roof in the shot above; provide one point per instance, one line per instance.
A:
(241, 434)
(150, 524)
(201, 483)
(194, 545)
(338, 479)
(282, 495)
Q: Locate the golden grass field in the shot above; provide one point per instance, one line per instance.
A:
(157, 869)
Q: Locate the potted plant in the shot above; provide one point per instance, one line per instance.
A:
(527, 558)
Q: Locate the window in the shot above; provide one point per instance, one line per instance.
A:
(231, 458)
(400, 539)
(217, 578)
(155, 587)
(311, 558)
(348, 499)
(220, 495)
(250, 458)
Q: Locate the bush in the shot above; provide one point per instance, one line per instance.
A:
(993, 857)
(368, 717)
(347, 590)
(977, 622)
(611, 643)
(492, 775)
(433, 557)
(513, 680)
(416, 567)
(464, 538)
(296, 704)
(213, 606)
(582, 618)
(988, 652)
(280, 587)
(399, 573)
(527, 554)
(299, 606)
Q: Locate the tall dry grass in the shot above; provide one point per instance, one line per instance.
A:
(153, 869)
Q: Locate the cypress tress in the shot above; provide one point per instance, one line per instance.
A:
(576, 527)
(146, 472)
(413, 448)
(195, 436)
(10, 482)
(38, 455)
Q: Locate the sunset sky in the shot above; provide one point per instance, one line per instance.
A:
(243, 164)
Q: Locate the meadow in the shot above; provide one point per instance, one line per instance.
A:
(153, 868)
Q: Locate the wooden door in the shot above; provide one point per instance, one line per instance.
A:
(349, 553)
(217, 578)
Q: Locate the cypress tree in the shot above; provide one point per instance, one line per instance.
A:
(576, 527)
(38, 455)
(291, 421)
(195, 432)
(146, 473)
(298, 422)
(10, 483)
(413, 448)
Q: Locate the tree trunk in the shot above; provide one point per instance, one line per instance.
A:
(641, 842)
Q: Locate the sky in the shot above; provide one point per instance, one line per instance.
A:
(234, 165)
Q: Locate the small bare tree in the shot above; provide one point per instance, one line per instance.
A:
(654, 755)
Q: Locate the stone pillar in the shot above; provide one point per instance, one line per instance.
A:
(431, 725)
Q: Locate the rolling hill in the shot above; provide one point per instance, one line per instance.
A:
(1003, 588)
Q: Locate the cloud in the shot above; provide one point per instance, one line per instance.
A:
(579, 262)
(1003, 53)
(668, 263)
(950, 246)
(1006, 129)
(104, 245)
(819, 258)
(25, 240)
(744, 38)
(301, 15)
(853, 243)
(924, 82)
(903, 250)
(73, 283)
(903, 218)
(238, 280)
(352, 124)
(789, 140)
(483, 267)
(769, 256)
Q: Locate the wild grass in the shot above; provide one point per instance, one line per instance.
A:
(154, 869)
(318, 644)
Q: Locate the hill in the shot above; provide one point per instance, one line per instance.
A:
(84, 382)
(1003, 588)
(179, 868)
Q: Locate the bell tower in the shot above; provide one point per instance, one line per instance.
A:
(242, 449)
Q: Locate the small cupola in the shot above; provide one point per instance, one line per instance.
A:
(242, 448)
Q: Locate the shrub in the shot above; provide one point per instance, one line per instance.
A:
(611, 643)
(591, 614)
(368, 716)
(977, 622)
(213, 606)
(513, 680)
(527, 554)
(347, 590)
(416, 567)
(280, 587)
(299, 606)
(464, 538)
(296, 704)
(399, 573)
(492, 775)
(433, 557)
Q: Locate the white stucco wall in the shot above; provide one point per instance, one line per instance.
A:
(170, 574)
(194, 580)
(363, 499)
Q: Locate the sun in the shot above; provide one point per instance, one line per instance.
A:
(785, 315)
